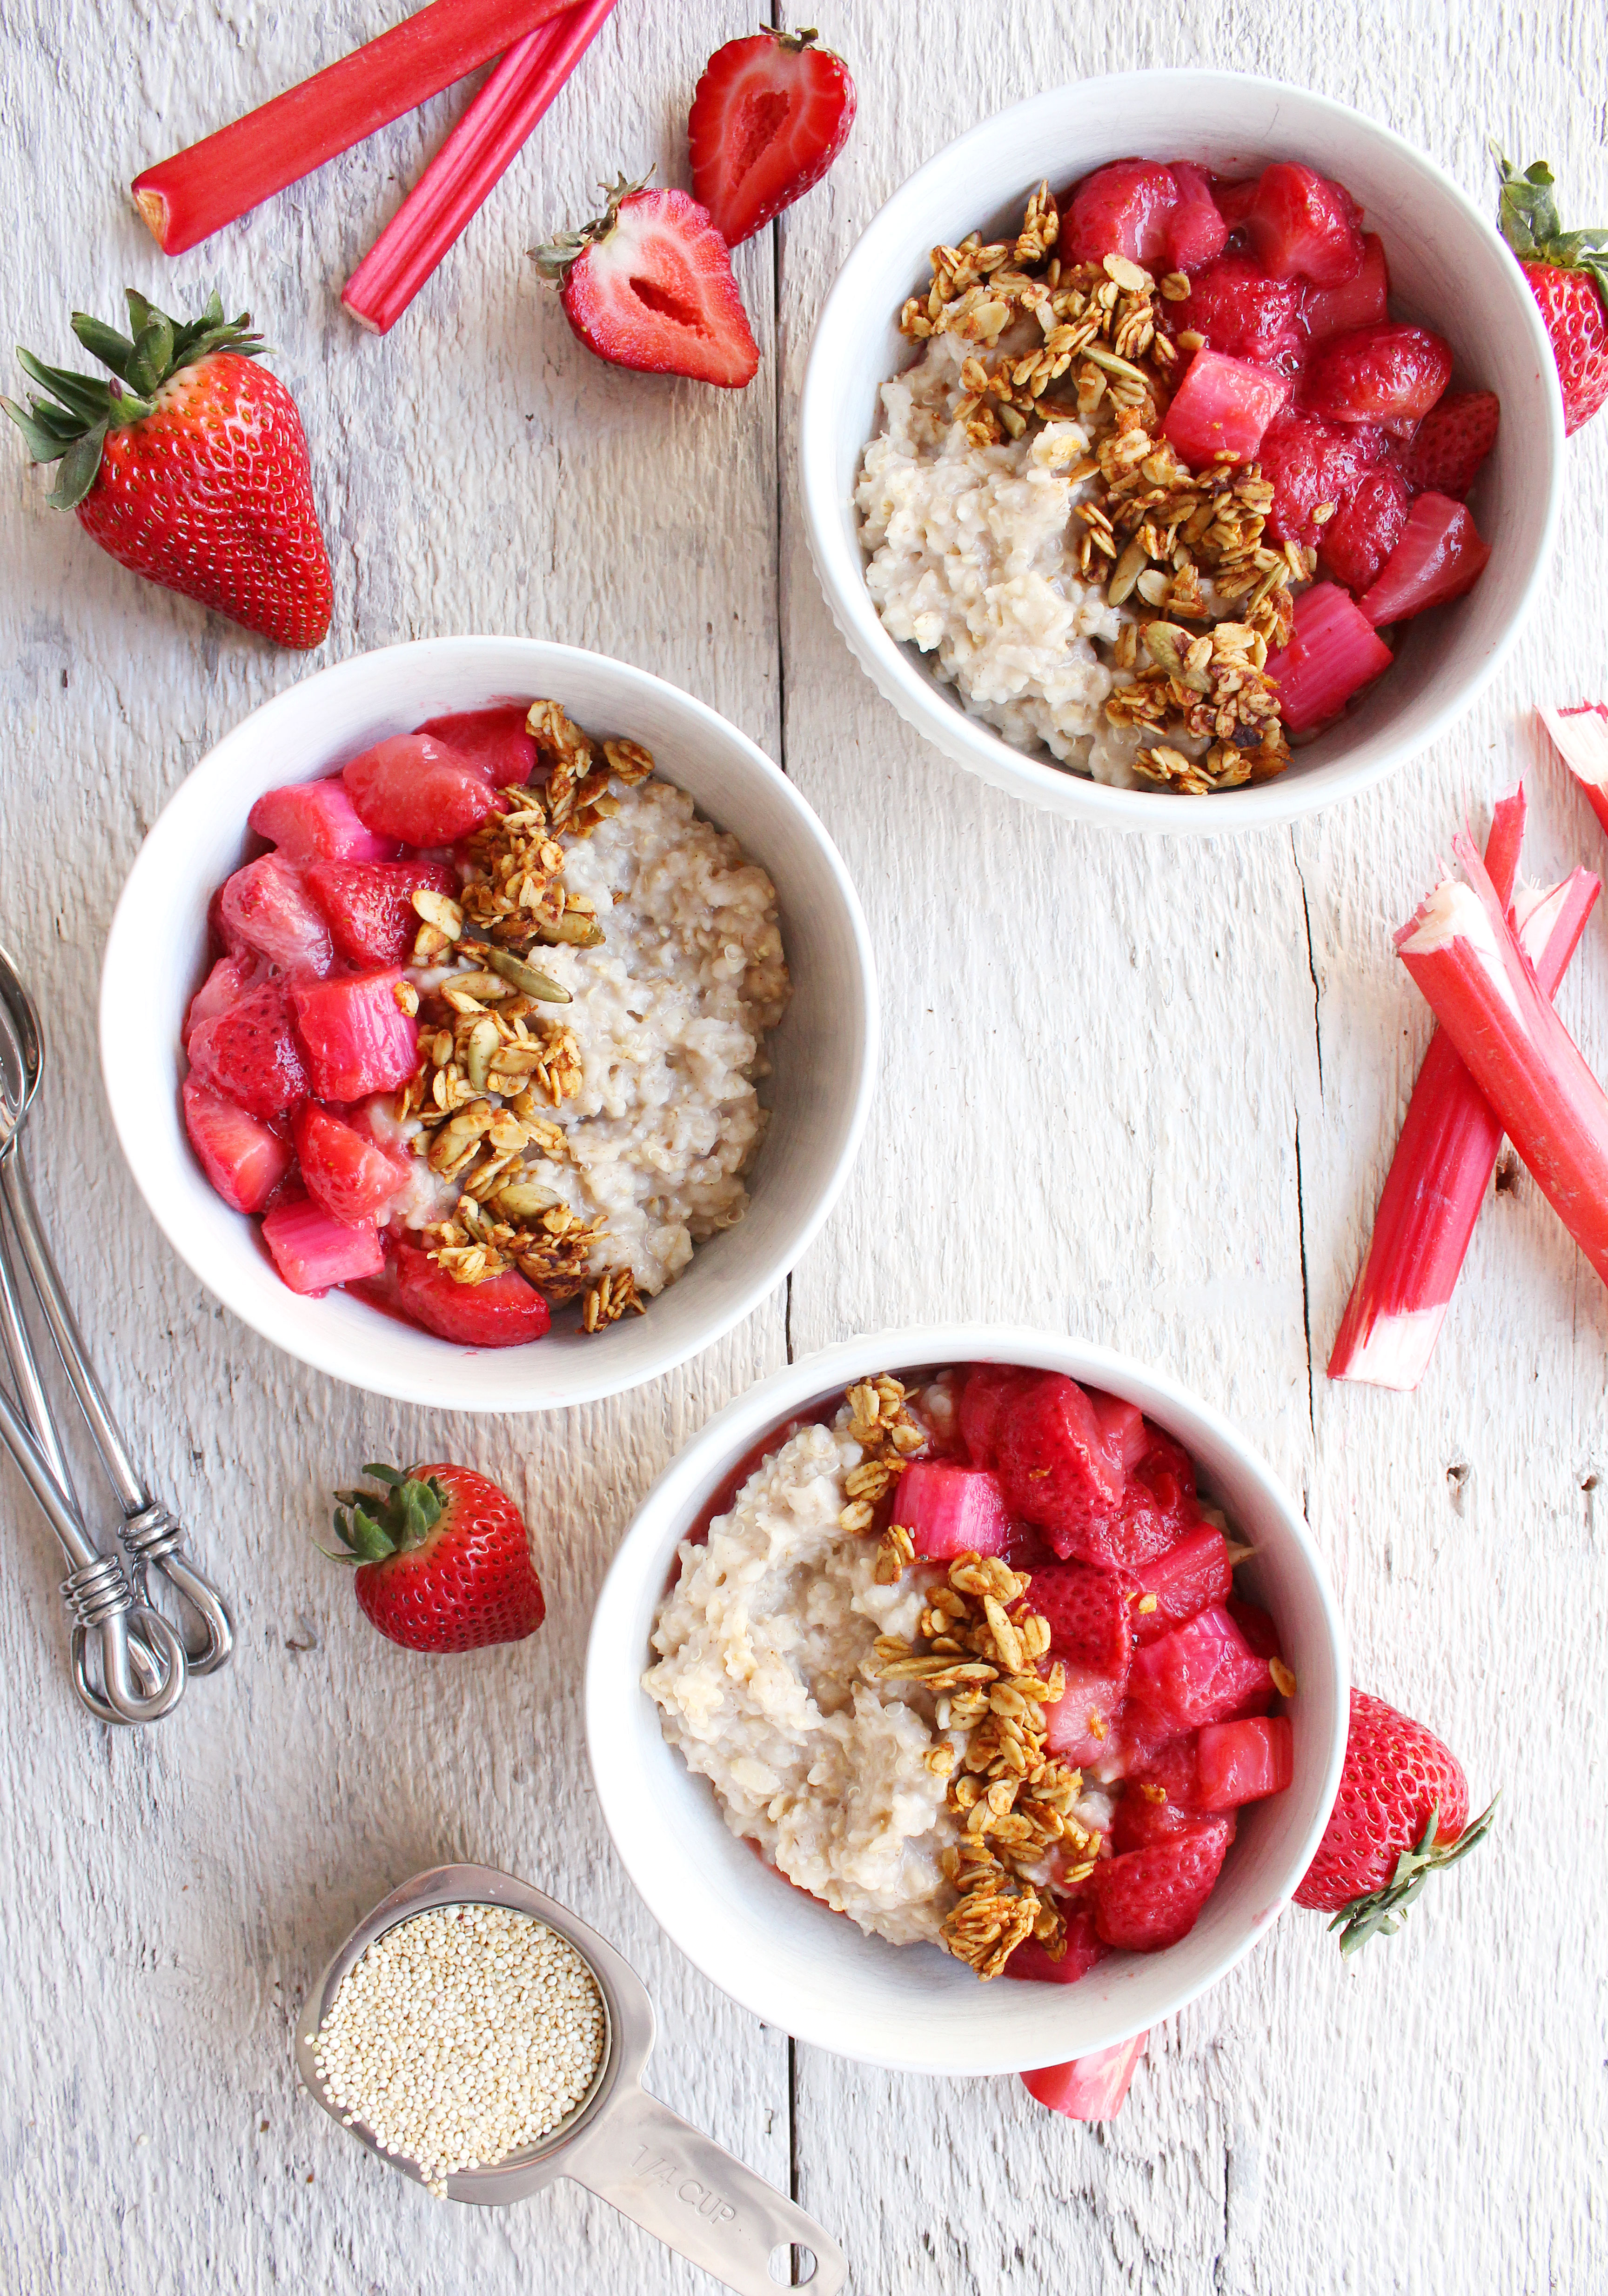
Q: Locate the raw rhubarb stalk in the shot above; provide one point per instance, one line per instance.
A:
(200, 189)
(1463, 952)
(469, 165)
(1582, 739)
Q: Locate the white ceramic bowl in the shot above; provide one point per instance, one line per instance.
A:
(1449, 267)
(825, 1052)
(811, 1972)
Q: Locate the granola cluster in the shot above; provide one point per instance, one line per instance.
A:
(1174, 546)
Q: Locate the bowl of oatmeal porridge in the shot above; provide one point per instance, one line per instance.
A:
(954, 565)
(499, 1113)
(785, 1715)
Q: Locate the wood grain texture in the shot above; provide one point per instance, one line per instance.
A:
(1142, 1089)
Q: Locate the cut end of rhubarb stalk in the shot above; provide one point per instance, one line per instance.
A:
(370, 325)
(1580, 737)
(153, 209)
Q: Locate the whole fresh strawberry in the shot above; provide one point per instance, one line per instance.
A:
(649, 286)
(1567, 275)
(1401, 1814)
(190, 466)
(770, 115)
(443, 1558)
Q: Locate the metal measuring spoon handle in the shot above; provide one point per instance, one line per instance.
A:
(151, 1534)
(684, 2188)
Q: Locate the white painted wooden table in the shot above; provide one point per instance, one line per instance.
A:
(1142, 1089)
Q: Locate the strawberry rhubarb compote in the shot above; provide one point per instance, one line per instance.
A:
(967, 1662)
(483, 1029)
(1167, 476)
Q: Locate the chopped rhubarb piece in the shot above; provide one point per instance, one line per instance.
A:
(1334, 651)
(1055, 1468)
(1079, 1726)
(1450, 445)
(1313, 466)
(1122, 209)
(1123, 1428)
(355, 1037)
(1392, 376)
(1158, 1797)
(230, 979)
(1439, 556)
(1461, 950)
(1244, 1761)
(1150, 1899)
(1088, 1618)
(950, 1510)
(369, 904)
(344, 1170)
(1580, 737)
(496, 742)
(249, 1053)
(1203, 1671)
(988, 1389)
(317, 821)
(1221, 409)
(1091, 2087)
(1190, 1577)
(415, 787)
(313, 1252)
(1238, 310)
(1303, 226)
(1363, 301)
(1356, 542)
(1085, 1946)
(1195, 232)
(504, 1312)
(267, 906)
(242, 1157)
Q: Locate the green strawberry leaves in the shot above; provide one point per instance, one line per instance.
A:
(373, 1525)
(1534, 230)
(1381, 1914)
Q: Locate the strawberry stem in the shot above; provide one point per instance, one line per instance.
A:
(1534, 230)
(1383, 1911)
(373, 1525)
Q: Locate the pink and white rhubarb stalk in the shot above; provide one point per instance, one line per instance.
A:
(1582, 739)
(1447, 1152)
(1462, 950)
(1088, 2088)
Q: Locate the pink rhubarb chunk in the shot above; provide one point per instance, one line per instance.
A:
(416, 789)
(1363, 301)
(267, 906)
(1439, 556)
(1203, 1671)
(1091, 2087)
(241, 1156)
(1190, 1577)
(317, 821)
(1222, 407)
(1334, 651)
(313, 1252)
(1580, 736)
(355, 1037)
(949, 1509)
(1237, 1762)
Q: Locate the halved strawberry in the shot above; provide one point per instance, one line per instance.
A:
(1450, 445)
(1392, 376)
(1089, 1618)
(1084, 1948)
(649, 286)
(317, 821)
(369, 904)
(1310, 462)
(1303, 226)
(496, 740)
(1122, 209)
(1363, 301)
(244, 1158)
(250, 1053)
(503, 1313)
(1441, 554)
(1150, 1899)
(1161, 1797)
(1056, 1469)
(1235, 308)
(1356, 542)
(989, 1387)
(345, 1170)
(412, 787)
(1195, 232)
(267, 906)
(230, 979)
(770, 115)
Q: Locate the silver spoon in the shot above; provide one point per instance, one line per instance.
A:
(151, 1533)
(619, 2141)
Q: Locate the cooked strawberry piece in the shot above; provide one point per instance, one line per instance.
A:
(346, 1171)
(267, 906)
(1439, 556)
(1363, 301)
(1091, 2087)
(1122, 209)
(1238, 310)
(1244, 1761)
(1334, 651)
(1221, 408)
(770, 115)
(495, 741)
(317, 821)
(987, 1391)
(950, 1510)
(222, 939)
(1303, 226)
(1157, 1505)
(1137, 1740)
(1055, 1468)
(228, 981)
(650, 286)
(1233, 195)
(244, 1158)
(415, 787)
(369, 904)
(1203, 1671)
(1079, 1727)
(1150, 1899)
(1123, 1427)
(314, 1251)
(355, 1037)
(1159, 1797)
(1450, 445)
(1392, 376)
(1087, 1611)
(1256, 1625)
(1355, 542)
(504, 1313)
(250, 1053)
(1190, 1577)
(1195, 232)
(1310, 463)
(1083, 1947)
